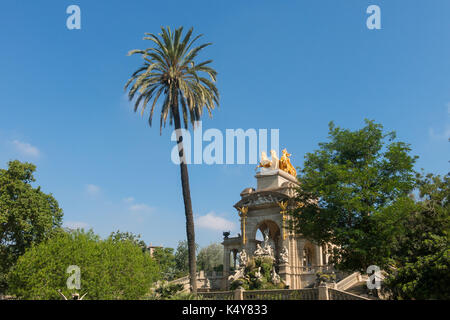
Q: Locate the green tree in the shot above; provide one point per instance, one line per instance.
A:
(182, 258)
(27, 215)
(170, 70)
(128, 236)
(420, 260)
(109, 269)
(166, 260)
(210, 257)
(345, 185)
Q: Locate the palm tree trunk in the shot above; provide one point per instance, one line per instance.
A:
(190, 231)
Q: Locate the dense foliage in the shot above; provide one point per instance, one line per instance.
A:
(182, 258)
(167, 265)
(128, 236)
(27, 215)
(357, 193)
(420, 261)
(345, 185)
(109, 269)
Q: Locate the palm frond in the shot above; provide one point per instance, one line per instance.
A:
(170, 68)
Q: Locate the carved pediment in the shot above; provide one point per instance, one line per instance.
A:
(261, 199)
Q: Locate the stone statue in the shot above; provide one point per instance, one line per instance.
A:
(239, 273)
(258, 274)
(285, 164)
(207, 284)
(259, 251)
(265, 162)
(242, 258)
(268, 251)
(269, 164)
(284, 255)
(266, 237)
(275, 277)
(275, 161)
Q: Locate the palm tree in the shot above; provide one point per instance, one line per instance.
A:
(169, 69)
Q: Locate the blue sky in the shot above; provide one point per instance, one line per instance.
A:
(292, 65)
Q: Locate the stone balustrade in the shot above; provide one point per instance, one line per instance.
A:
(320, 293)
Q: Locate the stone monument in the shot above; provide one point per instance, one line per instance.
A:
(266, 209)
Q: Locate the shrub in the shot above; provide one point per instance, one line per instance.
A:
(109, 269)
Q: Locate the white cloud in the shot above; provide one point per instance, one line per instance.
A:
(128, 200)
(26, 148)
(140, 207)
(443, 134)
(75, 225)
(214, 222)
(92, 189)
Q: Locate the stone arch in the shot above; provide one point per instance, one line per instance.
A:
(274, 233)
(272, 226)
(308, 255)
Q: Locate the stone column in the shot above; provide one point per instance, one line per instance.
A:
(226, 267)
(285, 274)
(319, 260)
(239, 293)
(323, 292)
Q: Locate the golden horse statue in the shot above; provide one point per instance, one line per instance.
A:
(285, 163)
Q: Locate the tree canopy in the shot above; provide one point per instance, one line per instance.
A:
(182, 258)
(166, 260)
(420, 259)
(211, 257)
(345, 184)
(27, 215)
(128, 236)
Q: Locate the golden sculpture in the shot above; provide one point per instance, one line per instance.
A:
(283, 206)
(285, 163)
(243, 214)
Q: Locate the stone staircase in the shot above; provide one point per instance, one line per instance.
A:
(206, 281)
(356, 284)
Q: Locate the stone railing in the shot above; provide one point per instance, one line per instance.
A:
(320, 293)
(241, 294)
(284, 294)
(349, 281)
(205, 280)
(335, 294)
(219, 295)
